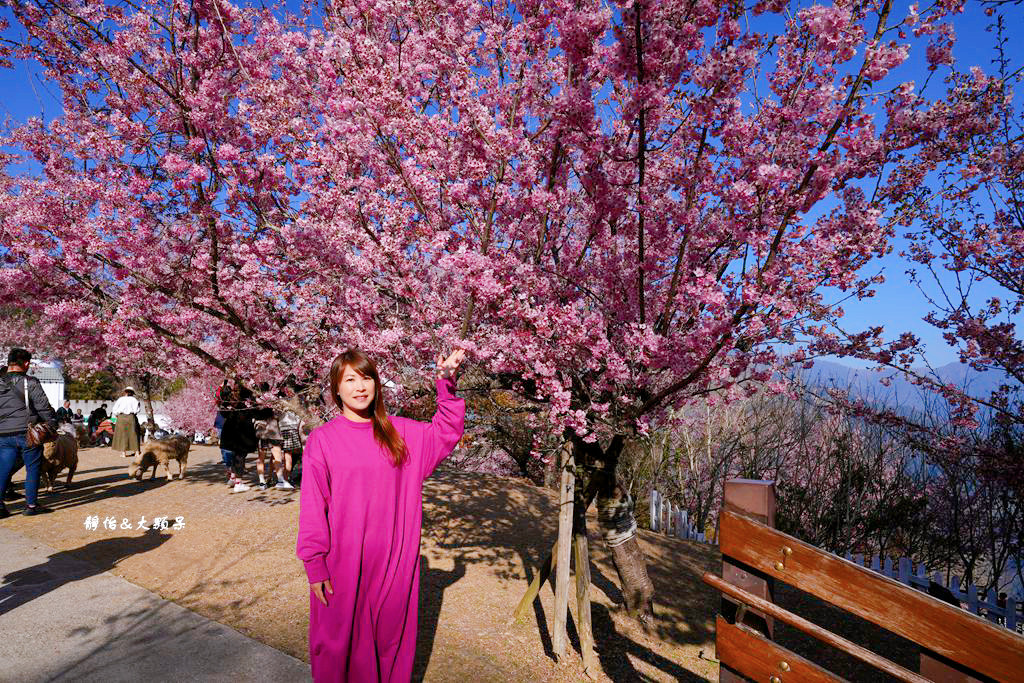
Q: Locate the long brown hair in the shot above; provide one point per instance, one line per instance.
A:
(383, 431)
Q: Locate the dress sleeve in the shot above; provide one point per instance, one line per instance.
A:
(446, 427)
(314, 532)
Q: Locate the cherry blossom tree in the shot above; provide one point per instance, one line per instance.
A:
(964, 231)
(967, 233)
(193, 407)
(845, 483)
(615, 207)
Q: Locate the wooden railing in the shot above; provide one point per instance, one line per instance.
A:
(956, 645)
(998, 608)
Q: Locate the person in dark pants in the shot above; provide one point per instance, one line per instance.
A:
(237, 436)
(9, 492)
(221, 398)
(22, 401)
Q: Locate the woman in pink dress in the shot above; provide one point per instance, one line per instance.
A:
(360, 518)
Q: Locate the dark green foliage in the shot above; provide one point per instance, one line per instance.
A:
(98, 386)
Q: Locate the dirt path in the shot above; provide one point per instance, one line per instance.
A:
(234, 561)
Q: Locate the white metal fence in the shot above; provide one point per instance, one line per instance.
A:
(1004, 611)
(89, 406)
(673, 520)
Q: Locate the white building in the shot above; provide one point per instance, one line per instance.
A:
(160, 417)
(51, 376)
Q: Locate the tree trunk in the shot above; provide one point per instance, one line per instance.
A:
(618, 525)
(619, 529)
(147, 389)
(581, 558)
(567, 494)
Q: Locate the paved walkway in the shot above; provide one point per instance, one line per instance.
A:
(62, 619)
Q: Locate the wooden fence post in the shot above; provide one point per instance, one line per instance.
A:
(566, 496)
(581, 552)
(757, 499)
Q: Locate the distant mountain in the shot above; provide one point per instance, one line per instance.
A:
(901, 394)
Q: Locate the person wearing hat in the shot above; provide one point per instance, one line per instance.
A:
(126, 424)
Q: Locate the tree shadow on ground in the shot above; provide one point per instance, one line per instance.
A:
(616, 649)
(613, 644)
(511, 529)
(433, 583)
(212, 474)
(538, 611)
(17, 488)
(84, 491)
(24, 585)
(113, 482)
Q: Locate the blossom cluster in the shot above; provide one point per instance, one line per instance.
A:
(614, 208)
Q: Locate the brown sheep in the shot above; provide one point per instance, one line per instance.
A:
(161, 451)
(56, 456)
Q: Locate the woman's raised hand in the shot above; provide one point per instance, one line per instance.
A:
(448, 367)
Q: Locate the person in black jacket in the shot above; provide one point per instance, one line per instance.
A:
(238, 435)
(64, 413)
(15, 415)
(95, 417)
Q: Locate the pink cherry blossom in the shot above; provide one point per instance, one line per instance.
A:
(615, 222)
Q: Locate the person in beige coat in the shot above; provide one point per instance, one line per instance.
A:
(126, 429)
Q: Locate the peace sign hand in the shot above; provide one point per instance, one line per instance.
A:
(449, 367)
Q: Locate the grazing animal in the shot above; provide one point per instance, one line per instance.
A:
(161, 451)
(58, 454)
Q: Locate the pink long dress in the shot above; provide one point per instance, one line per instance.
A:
(359, 526)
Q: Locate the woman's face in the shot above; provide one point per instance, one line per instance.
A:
(357, 391)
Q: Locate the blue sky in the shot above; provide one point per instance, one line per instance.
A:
(898, 305)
